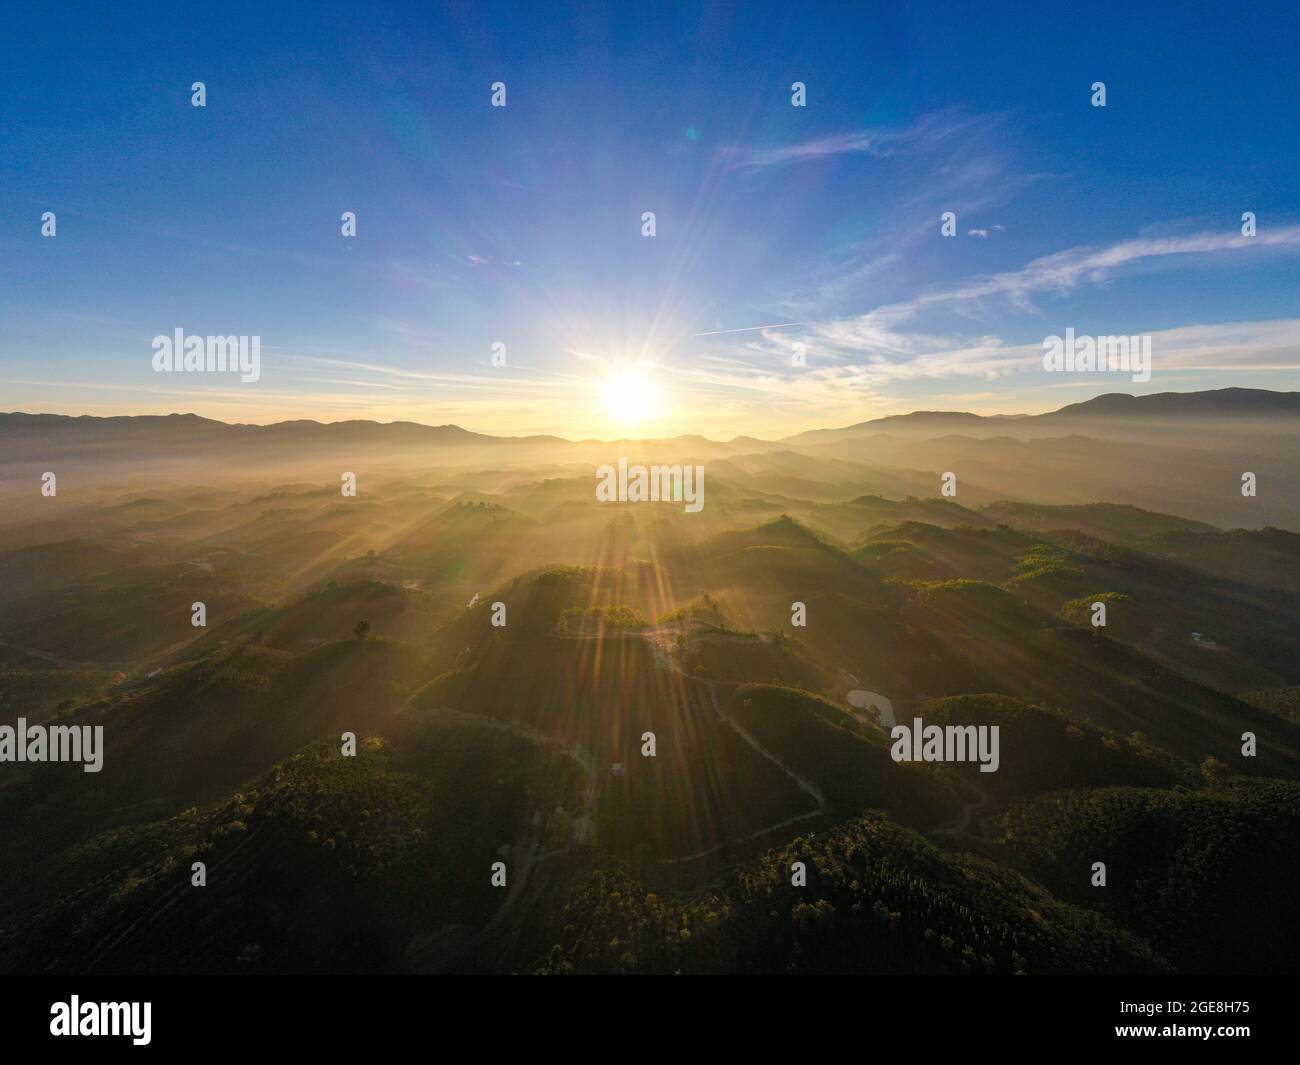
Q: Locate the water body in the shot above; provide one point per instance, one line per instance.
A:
(865, 700)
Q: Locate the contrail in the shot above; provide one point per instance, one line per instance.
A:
(751, 328)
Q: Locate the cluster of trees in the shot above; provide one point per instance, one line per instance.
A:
(613, 617)
(322, 863)
(1285, 702)
(705, 610)
(1206, 876)
(878, 899)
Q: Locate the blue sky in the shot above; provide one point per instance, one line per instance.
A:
(522, 224)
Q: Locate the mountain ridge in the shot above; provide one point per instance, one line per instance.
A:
(1220, 402)
(1234, 402)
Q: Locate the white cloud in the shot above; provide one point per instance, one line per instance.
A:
(873, 142)
(930, 132)
(1065, 270)
(882, 329)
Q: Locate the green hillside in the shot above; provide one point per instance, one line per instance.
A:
(879, 899)
(661, 716)
(1206, 876)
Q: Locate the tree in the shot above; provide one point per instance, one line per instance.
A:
(362, 630)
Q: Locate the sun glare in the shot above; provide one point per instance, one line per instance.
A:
(630, 398)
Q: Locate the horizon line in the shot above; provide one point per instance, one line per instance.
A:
(619, 439)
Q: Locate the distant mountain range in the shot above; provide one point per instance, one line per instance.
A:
(1214, 403)
(18, 431)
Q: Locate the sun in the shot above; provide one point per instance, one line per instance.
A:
(630, 397)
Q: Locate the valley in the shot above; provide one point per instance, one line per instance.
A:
(502, 643)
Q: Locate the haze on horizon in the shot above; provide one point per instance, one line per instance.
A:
(612, 429)
(645, 430)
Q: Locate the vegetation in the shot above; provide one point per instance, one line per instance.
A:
(1206, 876)
(879, 899)
(649, 785)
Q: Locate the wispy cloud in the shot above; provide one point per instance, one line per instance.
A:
(752, 328)
(928, 132)
(880, 329)
(1064, 270)
(872, 142)
(944, 161)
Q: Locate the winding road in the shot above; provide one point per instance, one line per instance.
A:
(657, 638)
